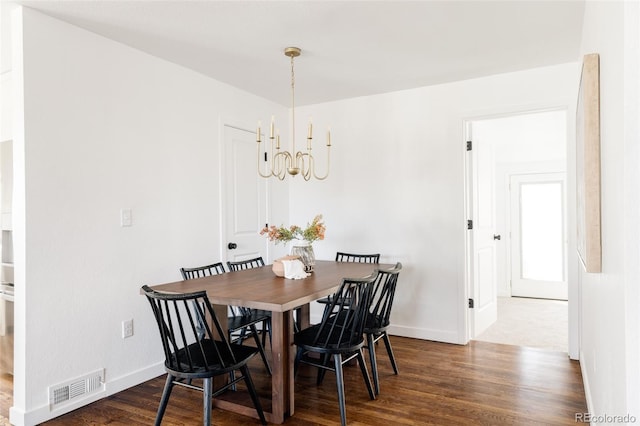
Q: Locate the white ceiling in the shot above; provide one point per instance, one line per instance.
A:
(350, 48)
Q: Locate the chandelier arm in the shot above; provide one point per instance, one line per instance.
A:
(309, 173)
(280, 160)
(306, 171)
(328, 165)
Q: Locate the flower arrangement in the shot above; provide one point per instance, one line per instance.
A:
(313, 232)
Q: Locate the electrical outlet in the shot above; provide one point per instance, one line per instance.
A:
(127, 328)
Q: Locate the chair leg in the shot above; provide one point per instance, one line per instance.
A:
(322, 371)
(340, 384)
(264, 333)
(365, 374)
(392, 358)
(232, 374)
(372, 360)
(266, 328)
(207, 391)
(252, 391)
(243, 335)
(256, 337)
(168, 386)
(299, 353)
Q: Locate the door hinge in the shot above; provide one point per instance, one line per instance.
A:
(469, 145)
(471, 303)
(469, 224)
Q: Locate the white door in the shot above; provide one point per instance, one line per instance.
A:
(245, 197)
(485, 310)
(538, 236)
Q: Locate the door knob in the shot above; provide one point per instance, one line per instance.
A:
(496, 237)
(232, 246)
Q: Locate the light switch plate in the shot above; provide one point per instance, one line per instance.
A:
(125, 217)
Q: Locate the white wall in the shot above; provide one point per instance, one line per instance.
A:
(610, 356)
(107, 127)
(397, 184)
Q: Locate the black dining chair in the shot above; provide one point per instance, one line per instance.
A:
(348, 257)
(339, 336)
(378, 320)
(189, 357)
(242, 323)
(202, 271)
(241, 265)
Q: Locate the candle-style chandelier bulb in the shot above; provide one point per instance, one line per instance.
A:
(281, 162)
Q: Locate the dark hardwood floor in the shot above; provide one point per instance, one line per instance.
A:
(6, 397)
(481, 383)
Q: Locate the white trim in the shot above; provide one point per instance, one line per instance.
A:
(425, 334)
(413, 332)
(585, 384)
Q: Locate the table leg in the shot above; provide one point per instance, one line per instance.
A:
(283, 357)
(221, 313)
(304, 313)
(282, 386)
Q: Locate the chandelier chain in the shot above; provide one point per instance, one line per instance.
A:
(293, 109)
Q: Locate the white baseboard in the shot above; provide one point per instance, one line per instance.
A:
(413, 332)
(42, 414)
(425, 334)
(585, 383)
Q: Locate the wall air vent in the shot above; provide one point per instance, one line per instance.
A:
(74, 390)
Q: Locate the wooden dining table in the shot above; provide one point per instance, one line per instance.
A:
(260, 288)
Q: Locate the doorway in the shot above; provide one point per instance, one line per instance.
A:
(510, 158)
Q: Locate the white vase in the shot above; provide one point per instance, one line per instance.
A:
(304, 249)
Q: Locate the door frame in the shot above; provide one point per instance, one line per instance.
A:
(574, 302)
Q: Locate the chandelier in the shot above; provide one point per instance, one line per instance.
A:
(281, 161)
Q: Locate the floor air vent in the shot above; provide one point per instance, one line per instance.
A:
(74, 390)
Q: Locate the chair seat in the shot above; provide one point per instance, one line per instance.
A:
(213, 365)
(329, 299)
(331, 340)
(263, 313)
(242, 321)
(375, 324)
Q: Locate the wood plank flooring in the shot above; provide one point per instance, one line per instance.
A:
(481, 383)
